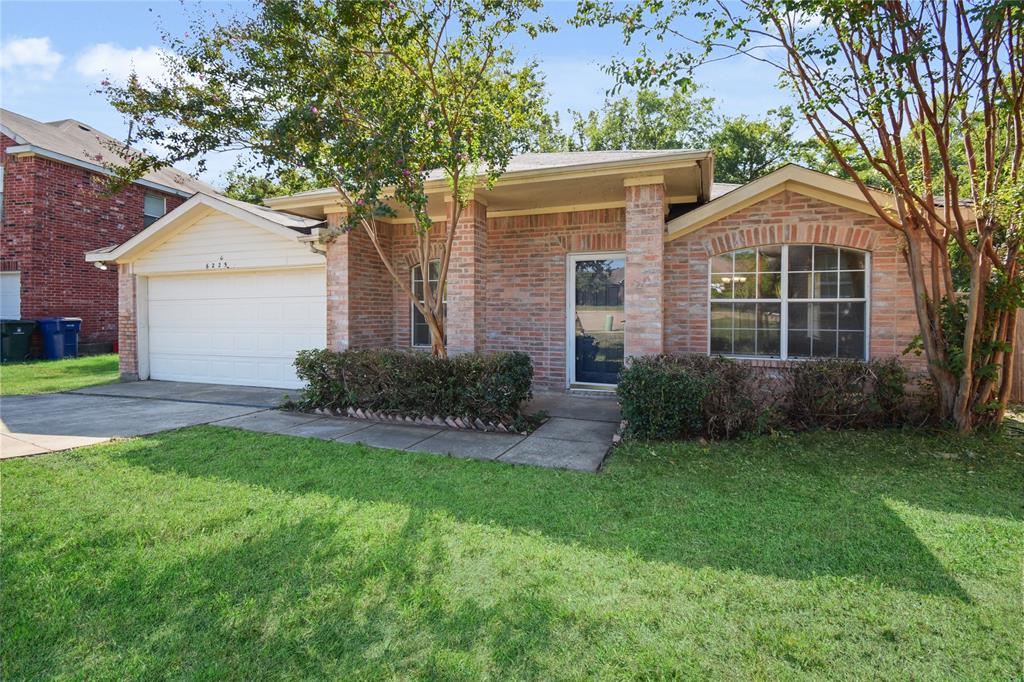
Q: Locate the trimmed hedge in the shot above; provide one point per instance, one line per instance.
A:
(673, 396)
(684, 395)
(490, 387)
(839, 394)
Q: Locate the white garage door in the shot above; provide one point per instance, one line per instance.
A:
(10, 295)
(240, 328)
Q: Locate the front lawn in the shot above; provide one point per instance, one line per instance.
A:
(48, 376)
(211, 553)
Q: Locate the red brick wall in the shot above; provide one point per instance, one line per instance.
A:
(645, 253)
(788, 218)
(359, 297)
(52, 214)
(524, 258)
(525, 264)
(127, 323)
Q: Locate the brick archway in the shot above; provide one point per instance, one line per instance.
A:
(801, 233)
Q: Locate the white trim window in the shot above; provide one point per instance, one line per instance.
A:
(420, 328)
(790, 301)
(154, 207)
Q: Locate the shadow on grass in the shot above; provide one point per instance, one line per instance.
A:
(795, 518)
(300, 601)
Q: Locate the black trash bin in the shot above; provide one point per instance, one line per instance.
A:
(15, 335)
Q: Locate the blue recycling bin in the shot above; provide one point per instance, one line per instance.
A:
(71, 326)
(60, 336)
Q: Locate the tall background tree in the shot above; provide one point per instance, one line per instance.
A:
(682, 118)
(928, 95)
(366, 97)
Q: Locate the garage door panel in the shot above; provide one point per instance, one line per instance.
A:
(238, 328)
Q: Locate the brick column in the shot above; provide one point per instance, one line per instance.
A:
(467, 283)
(645, 256)
(337, 285)
(127, 324)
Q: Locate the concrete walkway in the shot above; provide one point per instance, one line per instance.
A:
(576, 436)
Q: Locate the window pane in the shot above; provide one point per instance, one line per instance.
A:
(746, 260)
(851, 345)
(851, 316)
(770, 285)
(769, 315)
(768, 342)
(721, 286)
(826, 285)
(745, 285)
(799, 258)
(799, 343)
(851, 260)
(823, 316)
(743, 342)
(798, 315)
(770, 259)
(721, 316)
(153, 205)
(744, 315)
(825, 258)
(800, 285)
(823, 345)
(851, 285)
(721, 341)
(435, 270)
(722, 263)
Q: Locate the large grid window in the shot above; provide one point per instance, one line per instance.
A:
(799, 301)
(420, 329)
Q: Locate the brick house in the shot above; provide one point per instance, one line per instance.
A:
(579, 259)
(54, 209)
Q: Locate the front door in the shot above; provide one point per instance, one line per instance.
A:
(597, 318)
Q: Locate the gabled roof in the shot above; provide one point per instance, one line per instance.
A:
(79, 144)
(790, 177)
(285, 225)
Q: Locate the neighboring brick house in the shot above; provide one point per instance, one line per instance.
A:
(579, 259)
(55, 208)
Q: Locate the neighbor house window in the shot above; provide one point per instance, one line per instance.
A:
(420, 329)
(798, 301)
(153, 208)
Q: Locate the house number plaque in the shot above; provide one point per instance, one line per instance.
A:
(219, 264)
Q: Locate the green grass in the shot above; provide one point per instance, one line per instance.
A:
(48, 376)
(210, 553)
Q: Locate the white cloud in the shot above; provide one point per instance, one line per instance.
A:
(30, 58)
(107, 60)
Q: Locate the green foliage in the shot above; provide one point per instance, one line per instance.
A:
(649, 120)
(255, 187)
(676, 396)
(839, 393)
(491, 387)
(746, 148)
(365, 97)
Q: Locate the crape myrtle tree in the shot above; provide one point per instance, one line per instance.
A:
(368, 98)
(927, 94)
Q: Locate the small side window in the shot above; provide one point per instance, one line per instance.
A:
(154, 207)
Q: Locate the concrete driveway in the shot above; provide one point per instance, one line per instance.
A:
(34, 424)
(577, 434)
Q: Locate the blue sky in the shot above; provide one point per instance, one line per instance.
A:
(53, 55)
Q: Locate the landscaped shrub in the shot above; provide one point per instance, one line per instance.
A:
(672, 396)
(490, 387)
(846, 393)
